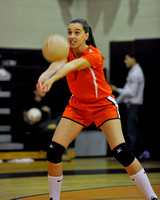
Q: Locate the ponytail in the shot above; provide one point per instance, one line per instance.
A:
(87, 29)
(90, 39)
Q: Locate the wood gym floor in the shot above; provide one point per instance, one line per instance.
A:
(87, 178)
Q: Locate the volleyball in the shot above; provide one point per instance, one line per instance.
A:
(34, 115)
(55, 48)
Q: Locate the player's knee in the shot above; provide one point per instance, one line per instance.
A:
(55, 152)
(123, 154)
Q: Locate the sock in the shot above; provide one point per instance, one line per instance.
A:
(142, 181)
(55, 186)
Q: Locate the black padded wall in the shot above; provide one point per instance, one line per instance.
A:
(149, 54)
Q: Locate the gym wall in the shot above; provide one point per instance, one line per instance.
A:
(25, 24)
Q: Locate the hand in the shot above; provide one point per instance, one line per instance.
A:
(45, 87)
(25, 118)
(46, 109)
(113, 88)
(40, 83)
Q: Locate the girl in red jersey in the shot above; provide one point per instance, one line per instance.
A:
(92, 101)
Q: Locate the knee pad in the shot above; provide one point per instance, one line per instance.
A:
(55, 152)
(123, 154)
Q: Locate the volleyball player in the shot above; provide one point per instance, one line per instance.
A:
(92, 101)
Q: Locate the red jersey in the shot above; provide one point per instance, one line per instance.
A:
(88, 84)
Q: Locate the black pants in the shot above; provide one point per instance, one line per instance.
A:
(135, 141)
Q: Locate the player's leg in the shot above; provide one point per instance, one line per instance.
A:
(65, 133)
(113, 132)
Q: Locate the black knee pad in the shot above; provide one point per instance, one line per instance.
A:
(123, 154)
(55, 152)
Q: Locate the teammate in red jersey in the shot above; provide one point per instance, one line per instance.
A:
(92, 101)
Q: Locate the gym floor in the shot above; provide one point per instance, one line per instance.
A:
(87, 178)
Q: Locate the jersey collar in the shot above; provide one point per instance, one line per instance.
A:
(83, 52)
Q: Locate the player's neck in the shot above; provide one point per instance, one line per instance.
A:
(79, 49)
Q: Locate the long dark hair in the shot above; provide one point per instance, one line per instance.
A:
(87, 29)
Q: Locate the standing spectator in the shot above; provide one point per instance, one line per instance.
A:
(132, 95)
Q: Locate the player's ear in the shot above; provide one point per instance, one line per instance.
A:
(87, 35)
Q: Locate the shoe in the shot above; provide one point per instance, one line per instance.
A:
(154, 198)
(144, 156)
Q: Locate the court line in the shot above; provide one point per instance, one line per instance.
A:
(72, 172)
(121, 198)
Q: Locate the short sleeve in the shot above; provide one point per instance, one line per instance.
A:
(94, 57)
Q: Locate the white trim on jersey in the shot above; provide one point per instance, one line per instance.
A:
(94, 81)
(110, 98)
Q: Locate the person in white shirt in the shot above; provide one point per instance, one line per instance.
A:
(132, 95)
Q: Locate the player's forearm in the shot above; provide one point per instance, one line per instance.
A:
(53, 68)
(62, 72)
(77, 64)
(119, 90)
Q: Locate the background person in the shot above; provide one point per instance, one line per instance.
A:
(132, 95)
(36, 126)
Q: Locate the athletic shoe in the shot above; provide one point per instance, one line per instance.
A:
(153, 198)
(144, 156)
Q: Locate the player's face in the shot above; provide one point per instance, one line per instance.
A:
(76, 35)
(129, 61)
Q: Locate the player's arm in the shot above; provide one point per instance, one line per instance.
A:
(52, 69)
(74, 65)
